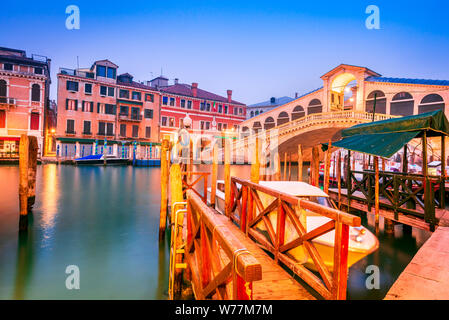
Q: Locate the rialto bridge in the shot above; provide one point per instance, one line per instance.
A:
(347, 97)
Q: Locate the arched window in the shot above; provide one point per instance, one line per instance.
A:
(257, 112)
(431, 102)
(244, 129)
(257, 126)
(381, 102)
(35, 93)
(298, 112)
(402, 104)
(3, 90)
(252, 114)
(283, 118)
(315, 107)
(269, 123)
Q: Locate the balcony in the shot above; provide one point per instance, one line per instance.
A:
(70, 132)
(77, 73)
(6, 103)
(132, 117)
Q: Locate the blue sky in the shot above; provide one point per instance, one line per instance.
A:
(258, 49)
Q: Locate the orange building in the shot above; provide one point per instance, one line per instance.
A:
(24, 99)
(97, 106)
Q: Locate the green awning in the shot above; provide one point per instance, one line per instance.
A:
(434, 123)
(385, 138)
(384, 145)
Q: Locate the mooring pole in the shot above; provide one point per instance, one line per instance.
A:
(164, 187)
(32, 167)
(327, 167)
(376, 191)
(23, 182)
(285, 166)
(299, 162)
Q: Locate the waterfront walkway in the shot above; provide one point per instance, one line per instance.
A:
(425, 278)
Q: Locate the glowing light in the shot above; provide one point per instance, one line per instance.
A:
(347, 89)
(351, 99)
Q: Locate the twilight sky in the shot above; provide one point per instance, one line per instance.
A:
(258, 49)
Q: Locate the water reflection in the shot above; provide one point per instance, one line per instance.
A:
(102, 219)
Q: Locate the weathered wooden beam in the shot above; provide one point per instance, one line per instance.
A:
(32, 168)
(327, 165)
(227, 178)
(165, 163)
(376, 191)
(23, 181)
(285, 167)
(300, 162)
(213, 188)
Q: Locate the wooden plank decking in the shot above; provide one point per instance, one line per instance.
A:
(276, 283)
(425, 278)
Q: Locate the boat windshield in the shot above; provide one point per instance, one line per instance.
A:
(321, 200)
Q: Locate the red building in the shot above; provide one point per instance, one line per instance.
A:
(24, 91)
(209, 112)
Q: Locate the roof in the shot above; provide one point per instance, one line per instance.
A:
(160, 77)
(186, 90)
(350, 66)
(385, 138)
(409, 81)
(105, 61)
(135, 84)
(277, 102)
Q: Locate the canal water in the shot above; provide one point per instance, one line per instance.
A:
(104, 220)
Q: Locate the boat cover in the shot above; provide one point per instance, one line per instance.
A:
(91, 157)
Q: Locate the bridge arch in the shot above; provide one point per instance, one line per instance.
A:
(257, 125)
(381, 102)
(431, 102)
(315, 106)
(298, 112)
(269, 123)
(283, 118)
(402, 104)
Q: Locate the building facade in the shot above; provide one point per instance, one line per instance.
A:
(208, 112)
(96, 106)
(261, 107)
(24, 99)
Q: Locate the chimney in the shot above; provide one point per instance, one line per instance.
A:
(296, 95)
(229, 95)
(194, 89)
(176, 80)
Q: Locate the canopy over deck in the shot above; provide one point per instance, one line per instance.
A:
(384, 138)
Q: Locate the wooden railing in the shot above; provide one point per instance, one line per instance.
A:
(190, 186)
(409, 194)
(221, 267)
(246, 209)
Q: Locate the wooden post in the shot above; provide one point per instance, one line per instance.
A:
(280, 229)
(327, 168)
(315, 167)
(424, 154)
(32, 167)
(290, 167)
(339, 178)
(255, 164)
(213, 188)
(244, 215)
(277, 167)
(23, 182)
(285, 167)
(376, 191)
(405, 161)
(340, 272)
(176, 195)
(443, 174)
(348, 179)
(227, 178)
(299, 162)
(164, 187)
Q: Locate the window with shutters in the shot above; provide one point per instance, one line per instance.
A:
(164, 121)
(136, 96)
(88, 106)
(189, 104)
(109, 109)
(72, 86)
(35, 93)
(149, 113)
(86, 127)
(183, 103)
(70, 126)
(149, 97)
(103, 90)
(147, 132)
(71, 104)
(172, 102)
(124, 94)
(135, 131)
(101, 128)
(34, 121)
(88, 88)
(109, 129)
(111, 92)
(123, 130)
